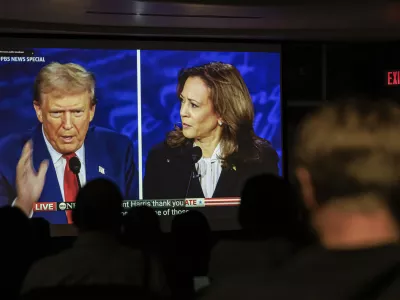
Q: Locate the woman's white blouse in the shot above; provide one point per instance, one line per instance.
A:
(209, 170)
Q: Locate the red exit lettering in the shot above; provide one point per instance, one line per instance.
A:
(393, 78)
(190, 202)
(45, 206)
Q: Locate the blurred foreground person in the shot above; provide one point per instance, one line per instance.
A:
(348, 167)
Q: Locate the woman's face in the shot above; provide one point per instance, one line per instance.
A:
(199, 120)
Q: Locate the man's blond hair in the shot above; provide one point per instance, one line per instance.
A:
(352, 150)
(63, 79)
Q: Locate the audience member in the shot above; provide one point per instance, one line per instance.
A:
(191, 250)
(348, 167)
(15, 251)
(96, 258)
(141, 229)
(274, 229)
(41, 237)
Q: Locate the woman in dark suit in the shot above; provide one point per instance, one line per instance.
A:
(217, 115)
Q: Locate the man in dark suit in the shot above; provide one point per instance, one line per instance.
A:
(65, 104)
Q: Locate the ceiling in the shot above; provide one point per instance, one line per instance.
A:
(261, 19)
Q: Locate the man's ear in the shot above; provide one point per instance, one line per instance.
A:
(92, 111)
(306, 187)
(38, 110)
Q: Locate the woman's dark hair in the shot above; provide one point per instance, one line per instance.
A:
(232, 101)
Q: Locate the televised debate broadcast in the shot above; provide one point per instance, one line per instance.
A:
(173, 129)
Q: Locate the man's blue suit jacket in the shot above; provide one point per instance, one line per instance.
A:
(103, 148)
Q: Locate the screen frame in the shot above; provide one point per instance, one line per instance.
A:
(28, 41)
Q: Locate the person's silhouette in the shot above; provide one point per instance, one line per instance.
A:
(192, 244)
(97, 258)
(347, 164)
(16, 238)
(273, 230)
(142, 229)
(41, 237)
(98, 207)
(270, 208)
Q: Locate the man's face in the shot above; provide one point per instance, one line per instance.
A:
(65, 120)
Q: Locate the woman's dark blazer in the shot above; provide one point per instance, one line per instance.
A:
(168, 171)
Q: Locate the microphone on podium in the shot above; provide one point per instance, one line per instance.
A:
(75, 167)
(196, 154)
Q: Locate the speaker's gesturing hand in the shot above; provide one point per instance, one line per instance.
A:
(29, 182)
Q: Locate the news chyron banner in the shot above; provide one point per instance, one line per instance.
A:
(21, 56)
(156, 204)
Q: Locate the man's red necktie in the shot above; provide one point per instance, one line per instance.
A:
(70, 185)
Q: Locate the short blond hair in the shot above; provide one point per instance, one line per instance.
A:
(64, 79)
(352, 149)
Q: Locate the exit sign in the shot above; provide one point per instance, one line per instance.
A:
(393, 78)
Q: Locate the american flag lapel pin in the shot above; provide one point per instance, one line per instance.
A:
(101, 170)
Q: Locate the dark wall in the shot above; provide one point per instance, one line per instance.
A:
(313, 73)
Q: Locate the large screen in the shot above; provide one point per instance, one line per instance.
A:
(139, 117)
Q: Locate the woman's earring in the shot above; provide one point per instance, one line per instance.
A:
(219, 122)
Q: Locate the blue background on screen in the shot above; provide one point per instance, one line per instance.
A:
(116, 90)
(160, 105)
(116, 82)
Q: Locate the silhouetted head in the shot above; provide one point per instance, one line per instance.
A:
(98, 206)
(14, 227)
(191, 221)
(269, 206)
(142, 226)
(40, 228)
(16, 250)
(193, 242)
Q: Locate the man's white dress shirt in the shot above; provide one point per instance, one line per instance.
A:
(60, 163)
